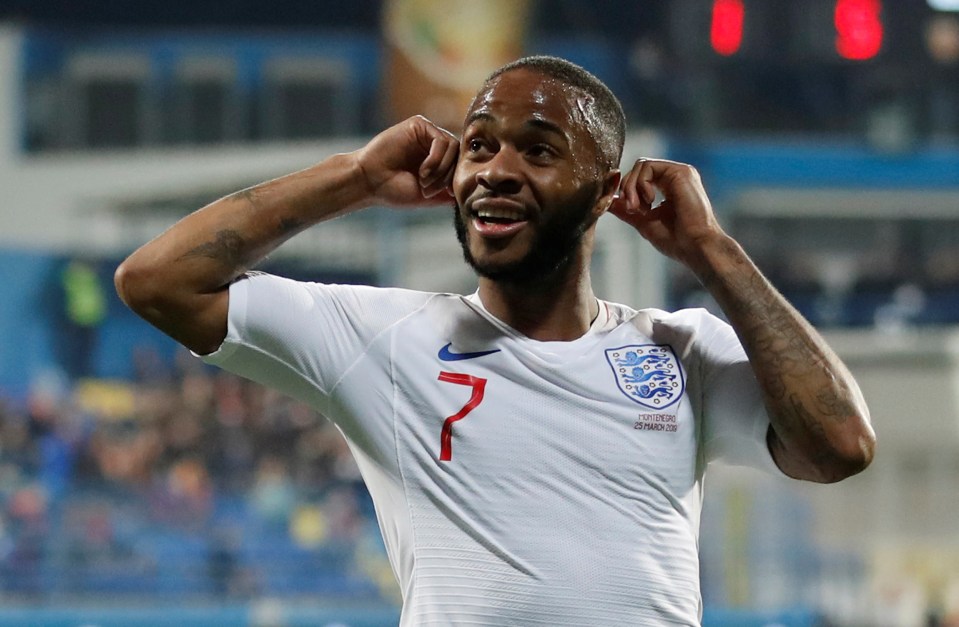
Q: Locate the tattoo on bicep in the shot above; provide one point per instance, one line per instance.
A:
(226, 247)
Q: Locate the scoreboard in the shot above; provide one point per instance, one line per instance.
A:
(839, 31)
(887, 70)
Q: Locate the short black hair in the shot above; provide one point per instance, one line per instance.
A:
(610, 129)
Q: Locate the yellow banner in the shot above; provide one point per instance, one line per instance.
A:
(439, 52)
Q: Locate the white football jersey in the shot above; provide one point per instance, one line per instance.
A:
(516, 482)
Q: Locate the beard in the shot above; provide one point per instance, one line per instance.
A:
(554, 246)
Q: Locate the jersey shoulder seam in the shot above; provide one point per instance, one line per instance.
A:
(387, 329)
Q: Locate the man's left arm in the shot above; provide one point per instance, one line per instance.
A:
(819, 422)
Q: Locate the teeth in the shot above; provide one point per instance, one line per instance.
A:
(503, 214)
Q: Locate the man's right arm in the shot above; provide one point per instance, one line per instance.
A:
(179, 281)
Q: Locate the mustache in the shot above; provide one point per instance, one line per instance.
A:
(492, 194)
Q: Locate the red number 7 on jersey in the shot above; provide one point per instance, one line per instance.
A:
(446, 434)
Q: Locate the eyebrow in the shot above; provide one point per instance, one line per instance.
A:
(536, 123)
(546, 125)
(476, 116)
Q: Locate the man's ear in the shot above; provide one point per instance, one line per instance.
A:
(607, 194)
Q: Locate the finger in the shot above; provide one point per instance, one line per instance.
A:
(642, 185)
(442, 176)
(428, 166)
(439, 196)
(448, 179)
(635, 218)
(427, 135)
(628, 190)
(645, 187)
(660, 213)
(618, 206)
(672, 177)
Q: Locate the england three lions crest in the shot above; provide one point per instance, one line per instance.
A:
(648, 374)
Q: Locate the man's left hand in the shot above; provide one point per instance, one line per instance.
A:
(682, 222)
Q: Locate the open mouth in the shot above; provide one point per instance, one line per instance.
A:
(496, 217)
(500, 217)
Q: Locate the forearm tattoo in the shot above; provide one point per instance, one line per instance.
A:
(226, 247)
(236, 251)
(286, 225)
(772, 334)
(248, 195)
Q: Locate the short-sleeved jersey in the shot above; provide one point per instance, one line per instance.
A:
(516, 482)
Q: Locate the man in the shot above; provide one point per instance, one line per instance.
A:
(535, 454)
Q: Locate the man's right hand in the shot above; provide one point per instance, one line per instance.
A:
(409, 164)
(179, 280)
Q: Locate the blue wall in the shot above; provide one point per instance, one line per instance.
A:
(32, 323)
(25, 337)
(730, 164)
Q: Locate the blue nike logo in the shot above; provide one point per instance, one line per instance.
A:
(446, 355)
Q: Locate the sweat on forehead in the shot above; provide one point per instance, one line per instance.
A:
(540, 89)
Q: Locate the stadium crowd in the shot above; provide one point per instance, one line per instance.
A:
(98, 479)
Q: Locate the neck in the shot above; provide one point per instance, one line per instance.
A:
(558, 309)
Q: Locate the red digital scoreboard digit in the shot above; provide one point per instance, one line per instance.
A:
(726, 26)
(859, 30)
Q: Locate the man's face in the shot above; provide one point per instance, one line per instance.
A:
(528, 182)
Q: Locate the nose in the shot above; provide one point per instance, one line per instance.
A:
(501, 172)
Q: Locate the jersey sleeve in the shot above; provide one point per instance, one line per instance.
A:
(734, 414)
(300, 338)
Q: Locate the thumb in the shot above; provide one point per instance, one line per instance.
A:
(618, 206)
(635, 219)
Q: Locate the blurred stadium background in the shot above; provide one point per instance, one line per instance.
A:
(138, 487)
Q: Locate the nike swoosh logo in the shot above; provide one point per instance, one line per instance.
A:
(446, 354)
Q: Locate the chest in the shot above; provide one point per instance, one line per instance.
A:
(616, 416)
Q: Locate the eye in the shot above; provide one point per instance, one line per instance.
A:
(541, 152)
(474, 145)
